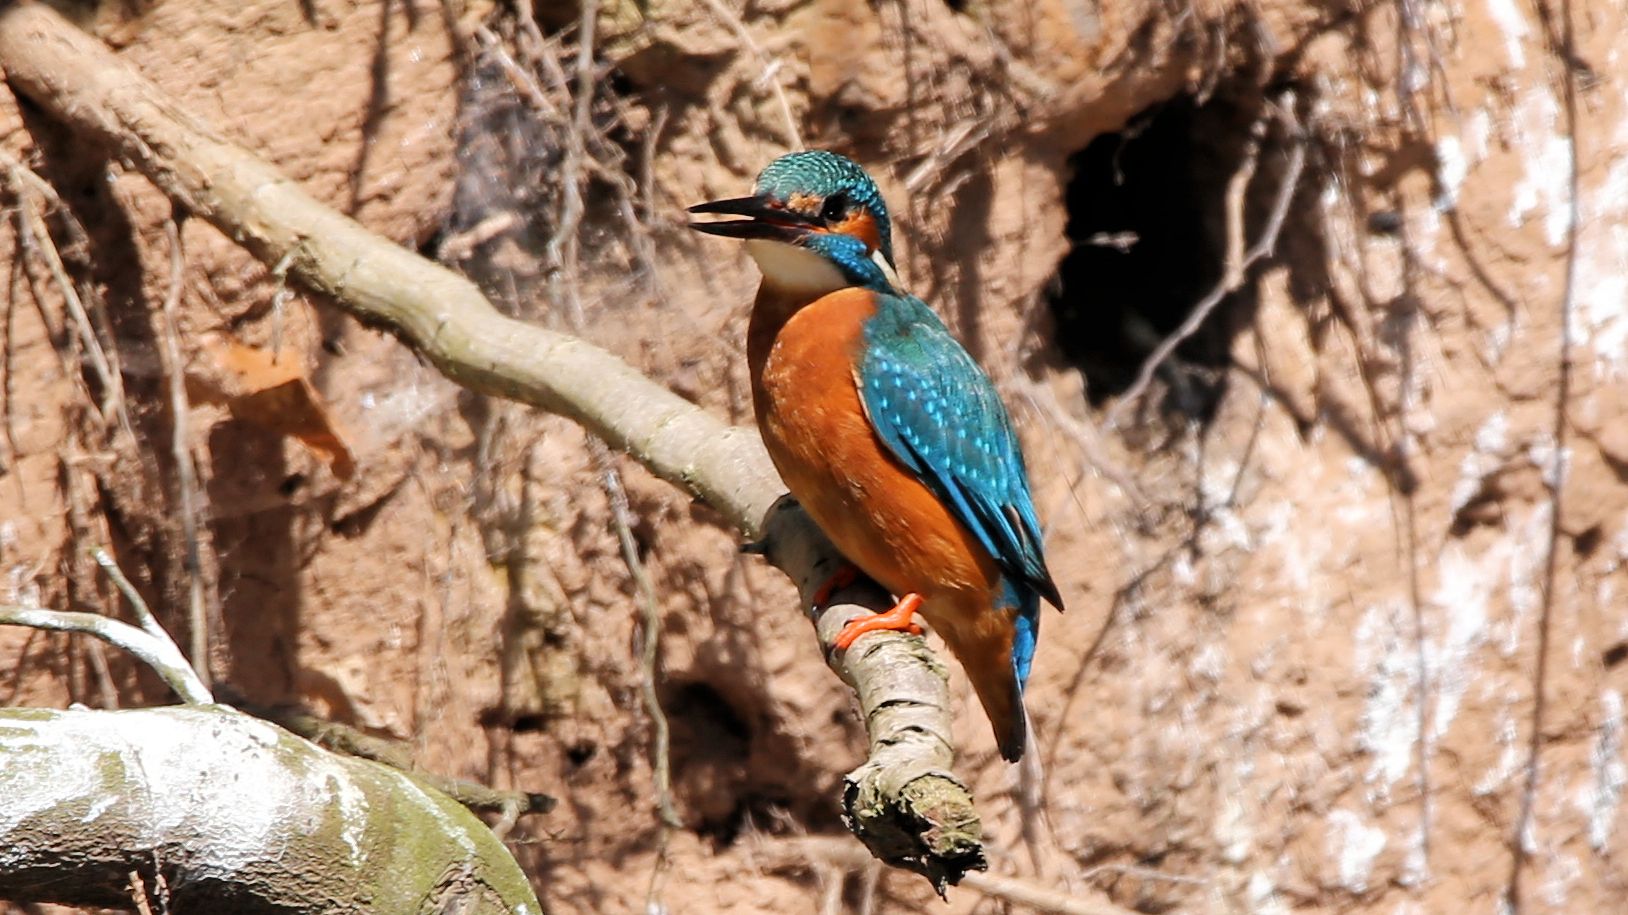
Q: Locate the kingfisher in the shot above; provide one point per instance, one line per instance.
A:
(885, 429)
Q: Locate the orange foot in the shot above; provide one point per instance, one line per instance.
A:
(845, 575)
(895, 620)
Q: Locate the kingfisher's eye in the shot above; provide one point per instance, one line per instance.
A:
(836, 206)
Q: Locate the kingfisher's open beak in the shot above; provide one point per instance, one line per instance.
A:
(764, 219)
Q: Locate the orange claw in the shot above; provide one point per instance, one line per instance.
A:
(895, 620)
(845, 575)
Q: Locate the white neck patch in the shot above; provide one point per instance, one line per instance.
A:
(796, 270)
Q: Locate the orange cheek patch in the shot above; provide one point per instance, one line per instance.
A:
(861, 225)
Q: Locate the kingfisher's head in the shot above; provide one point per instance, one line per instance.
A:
(815, 223)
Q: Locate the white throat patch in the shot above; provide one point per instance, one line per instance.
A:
(794, 269)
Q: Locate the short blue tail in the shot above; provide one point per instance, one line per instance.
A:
(1023, 603)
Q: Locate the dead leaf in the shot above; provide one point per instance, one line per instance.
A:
(270, 392)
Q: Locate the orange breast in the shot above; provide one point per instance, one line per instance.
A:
(871, 506)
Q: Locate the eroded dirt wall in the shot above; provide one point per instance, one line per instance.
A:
(1309, 570)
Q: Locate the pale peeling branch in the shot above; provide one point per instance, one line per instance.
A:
(903, 802)
(231, 814)
(153, 648)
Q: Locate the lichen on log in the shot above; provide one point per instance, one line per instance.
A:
(219, 811)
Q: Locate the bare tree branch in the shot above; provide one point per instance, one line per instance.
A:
(155, 650)
(903, 802)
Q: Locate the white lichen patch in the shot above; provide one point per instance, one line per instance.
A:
(1233, 828)
(1601, 801)
(1510, 756)
(1353, 845)
(1451, 169)
(1261, 896)
(1545, 153)
(1465, 587)
(1491, 445)
(1389, 724)
(28, 790)
(1599, 317)
(1513, 24)
(243, 801)
(1559, 876)
(1300, 554)
(353, 811)
(1523, 576)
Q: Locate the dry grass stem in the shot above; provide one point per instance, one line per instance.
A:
(520, 78)
(37, 242)
(649, 659)
(144, 614)
(951, 145)
(1085, 436)
(564, 253)
(138, 894)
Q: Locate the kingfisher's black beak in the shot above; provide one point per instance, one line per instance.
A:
(764, 219)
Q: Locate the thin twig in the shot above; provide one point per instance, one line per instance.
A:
(138, 894)
(1145, 873)
(520, 78)
(37, 240)
(144, 614)
(181, 451)
(158, 653)
(638, 233)
(82, 584)
(279, 299)
(1039, 898)
(1557, 477)
(565, 246)
(650, 624)
(564, 251)
(161, 887)
(1236, 265)
(104, 674)
(1044, 401)
(952, 143)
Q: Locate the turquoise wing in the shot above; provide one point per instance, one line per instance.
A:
(940, 416)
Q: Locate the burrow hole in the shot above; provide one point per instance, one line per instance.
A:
(1147, 223)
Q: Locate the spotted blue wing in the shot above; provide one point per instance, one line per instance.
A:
(940, 415)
